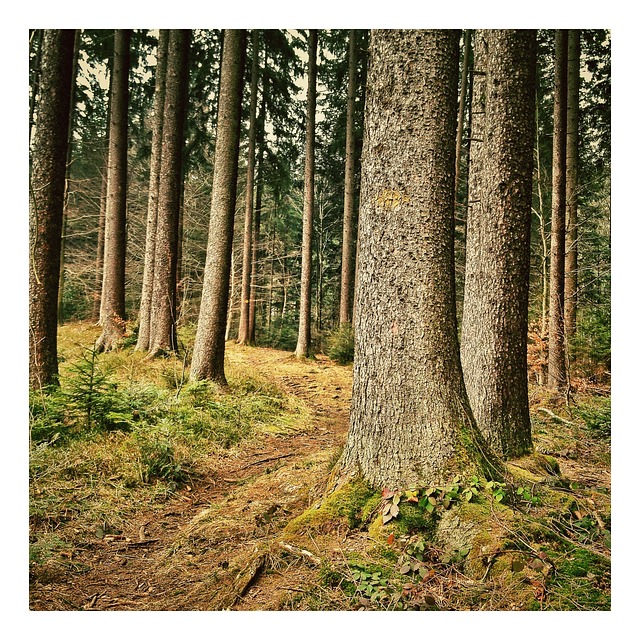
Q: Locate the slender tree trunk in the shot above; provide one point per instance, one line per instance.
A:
(557, 350)
(208, 350)
(543, 234)
(256, 251)
(348, 245)
(144, 317)
(303, 346)
(163, 337)
(113, 307)
(494, 326)
(243, 329)
(96, 313)
(46, 202)
(461, 104)
(67, 179)
(571, 259)
(411, 422)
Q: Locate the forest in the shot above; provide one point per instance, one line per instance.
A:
(319, 320)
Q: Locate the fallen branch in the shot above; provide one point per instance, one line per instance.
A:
(296, 551)
(554, 416)
(253, 464)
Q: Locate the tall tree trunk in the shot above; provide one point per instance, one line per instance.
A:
(411, 422)
(96, 312)
(255, 243)
(304, 326)
(571, 259)
(494, 326)
(557, 350)
(113, 307)
(243, 328)
(348, 245)
(97, 295)
(208, 350)
(146, 298)
(67, 179)
(163, 336)
(461, 104)
(46, 202)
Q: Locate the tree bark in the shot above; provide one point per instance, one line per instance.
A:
(146, 298)
(494, 325)
(46, 202)
(245, 295)
(571, 259)
(348, 245)
(303, 345)
(163, 335)
(208, 350)
(113, 307)
(411, 422)
(67, 179)
(557, 379)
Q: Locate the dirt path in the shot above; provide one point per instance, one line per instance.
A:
(198, 549)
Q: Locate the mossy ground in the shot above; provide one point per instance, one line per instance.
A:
(179, 497)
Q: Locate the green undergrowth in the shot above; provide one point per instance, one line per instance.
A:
(121, 431)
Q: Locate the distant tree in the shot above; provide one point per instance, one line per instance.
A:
(347, 280)
(208, 350)
(163, 334)
(113, 304)
(495, 318)
(46, 202)
(411, 422)
(557, 380)
(144, 316)
(244, 334)
(74, 73)
(304, 327)
(571, 248)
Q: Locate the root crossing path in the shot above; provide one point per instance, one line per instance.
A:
(214, 545)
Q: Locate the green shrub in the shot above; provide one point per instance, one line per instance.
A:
(341, 344)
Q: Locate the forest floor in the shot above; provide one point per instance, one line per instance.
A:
(225, 535)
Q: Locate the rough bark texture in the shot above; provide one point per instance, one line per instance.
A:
(46, 201)
(494, 325)
(304, 327)
(113, 306)
(348, 245)
(163, 337)
(410, 416)
(244, 335)
(144, 317)
(571, 259)
(557, 352)
(208, 350)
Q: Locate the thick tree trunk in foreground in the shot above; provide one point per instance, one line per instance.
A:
(163, 336)
(244, 335)
(113, 306)
(494, 325)
(557, 352)
(46, 202)
(304, 327)
(571, 259)
(208, 350)
(144, 317)
(410, 417)
(348, 245)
